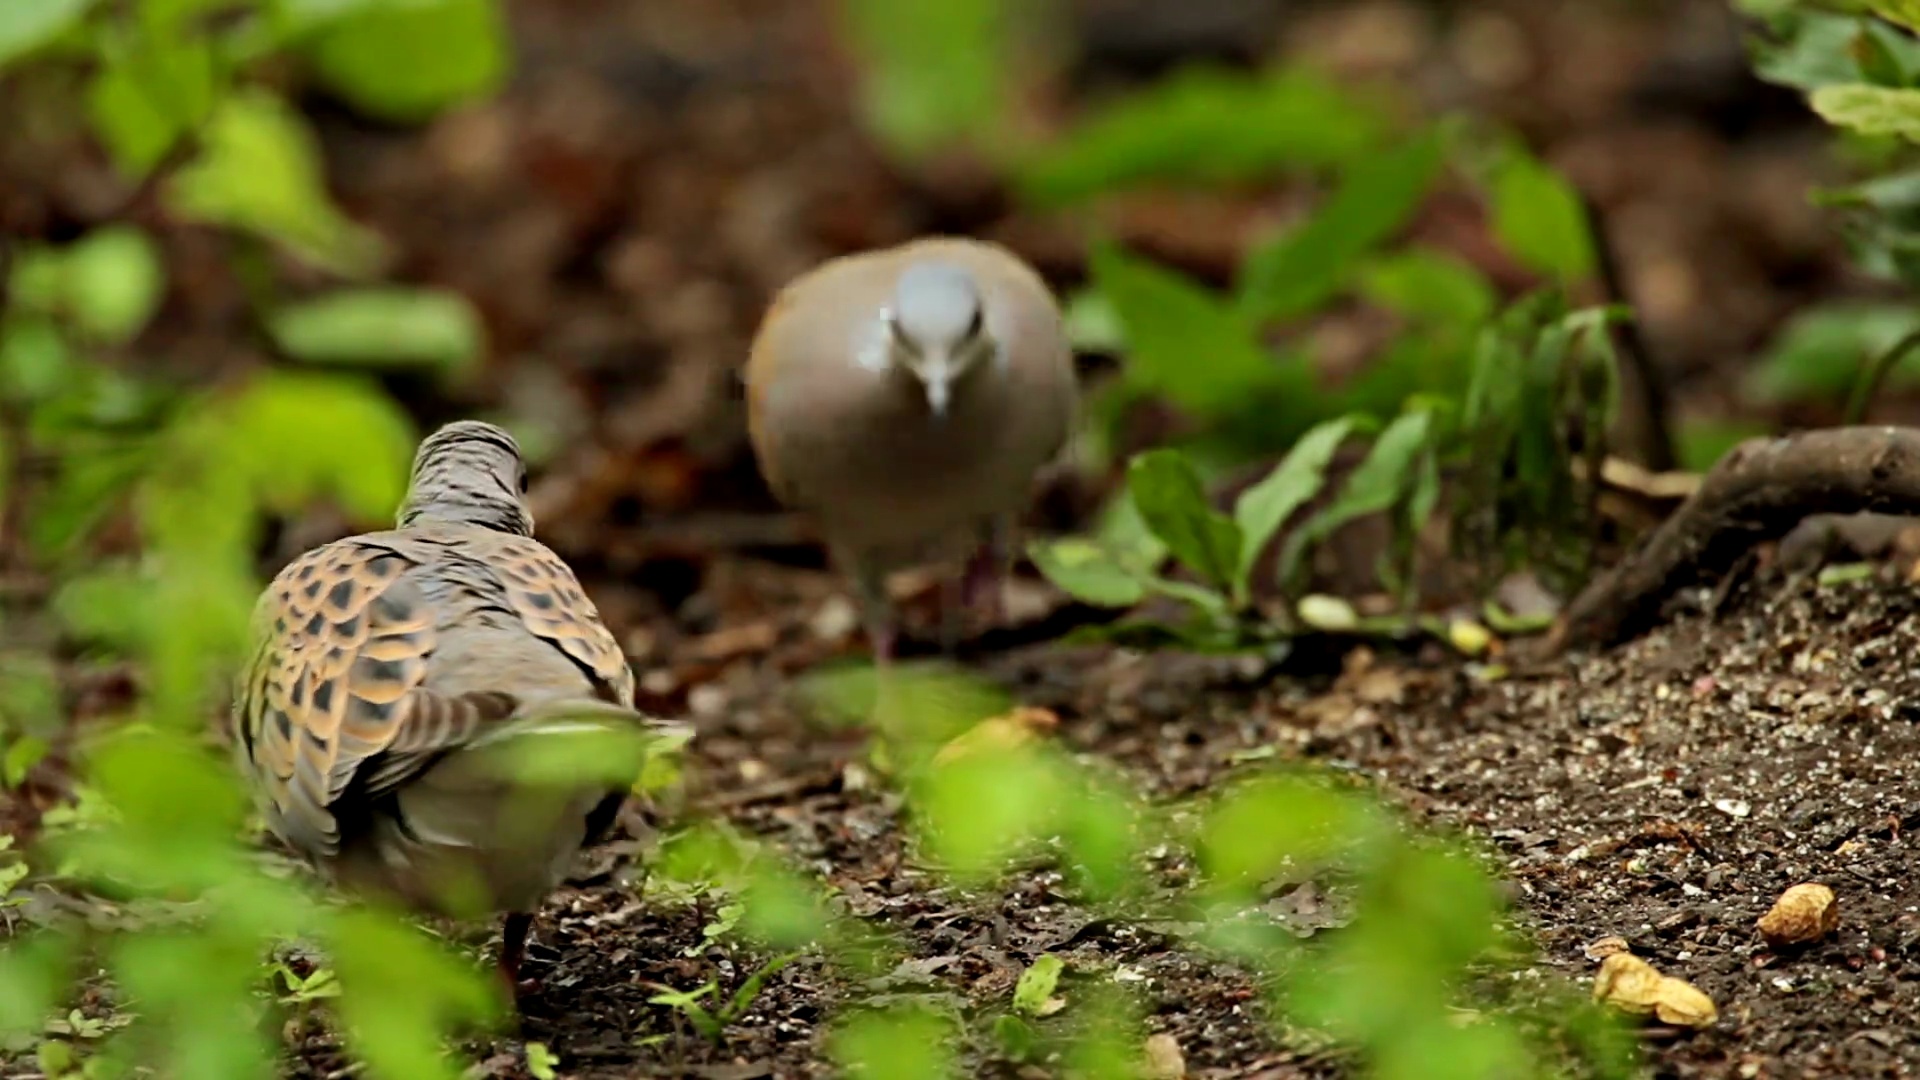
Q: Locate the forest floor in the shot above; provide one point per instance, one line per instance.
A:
(620, 216)
(1665, 792)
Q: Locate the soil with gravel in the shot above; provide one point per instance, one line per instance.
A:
(1666, 793)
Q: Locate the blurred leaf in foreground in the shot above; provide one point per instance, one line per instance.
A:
(105, 285)
(381, 328)
(156, 85)
(405, 61)
(25, 25)
(1206, 126)
(260, 172)
(902, 1043)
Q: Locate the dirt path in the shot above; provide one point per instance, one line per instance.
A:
(1666, 793)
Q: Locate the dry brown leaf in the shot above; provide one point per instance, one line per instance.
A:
(1630, 983)
(1607, 946)
(1002, 733)
(1164, 1059)
(1804, 913)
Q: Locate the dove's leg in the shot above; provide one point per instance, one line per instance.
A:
(983, 586)
(876, 607)
(513, 947)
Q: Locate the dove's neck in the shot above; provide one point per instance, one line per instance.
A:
(466, 508)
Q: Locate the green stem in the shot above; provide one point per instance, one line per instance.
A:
(1874, 373)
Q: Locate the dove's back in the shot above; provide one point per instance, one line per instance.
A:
(389, 665)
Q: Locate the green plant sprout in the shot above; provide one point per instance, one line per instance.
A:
(712, 1023)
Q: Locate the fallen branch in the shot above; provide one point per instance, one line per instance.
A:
(1757, 493)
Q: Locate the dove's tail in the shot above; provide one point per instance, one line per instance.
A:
(507, 812)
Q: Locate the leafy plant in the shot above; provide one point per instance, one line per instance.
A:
(713, 1023)
(1541, 393)
(1859, 65)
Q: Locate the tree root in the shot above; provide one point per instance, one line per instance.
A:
(1757, 493)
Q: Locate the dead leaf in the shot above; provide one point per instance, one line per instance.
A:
(1164, 1059)
(1804, 913)
(1633, 985)
(1001, 734)
(1607, 946)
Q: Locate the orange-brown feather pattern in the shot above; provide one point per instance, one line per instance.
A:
(345, 641)
(550, 601)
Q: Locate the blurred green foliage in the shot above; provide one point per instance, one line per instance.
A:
(1859, 65)
(179, 951)
(177, 92)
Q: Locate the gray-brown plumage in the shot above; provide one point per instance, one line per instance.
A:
(905, 398)
(394, 673)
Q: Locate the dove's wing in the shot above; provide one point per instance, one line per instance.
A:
(378, 654)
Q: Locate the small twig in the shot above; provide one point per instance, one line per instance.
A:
(1648, 382)
(1874, 373)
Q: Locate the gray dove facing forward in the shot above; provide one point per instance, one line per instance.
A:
(395, 672)
(906, 398)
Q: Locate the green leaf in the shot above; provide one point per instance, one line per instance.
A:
(34, 971)
(381, 328)
(30, 694)
(1379, 481)
(1538, 217)
(154, 88)
(1809, 49)
(1428, 285)
(902, 1043)
(1037, 984)
(1303, 268)
(1275, 821)
(34, 359)
(23, 753)
(1264, 507)
(305, 434)
(542, 1062)
(1700, 444)
(260, 172)
(1206, 126)
(979, 811)
(933, 72)
(1870, 110)
(26, 25)
(114, 281)
(1092, 324)
(106, 285)
(406, 61)
(1818, 354)
(400, 991)
(1167, 490)
(1902, 12)
(1184, 341)
(1877, 61)
(1088, 571)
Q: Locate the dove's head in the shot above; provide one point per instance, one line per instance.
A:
(936, 325)
(469, 472)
